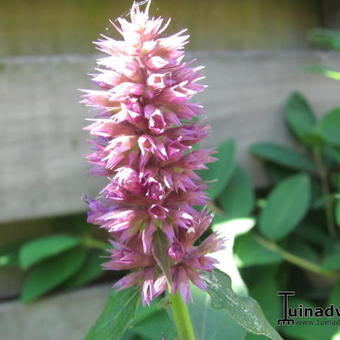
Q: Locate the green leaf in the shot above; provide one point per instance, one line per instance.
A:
(156, 327)
(248, 252)
(332, 153)
(153, 323)
(251, 336)
(299, 116)
(221, 170)
(210, 323)
(282, 155)
(312, 233)
(329, 126)
(277, 173)
(265, 293)
(303, 250)
(7, 260)
(334, 296)
(317, 196)
(117, 315)
(326, 38)
(332, 259)
(90, 270)
(286, 206)
(130, 335)
(44, 247)
(244, 310)
(51, 273)
(336, 182)
(327, 72)
(337, 212)
(304, 330)
(237, 200)
(74, 225)
(9, 254)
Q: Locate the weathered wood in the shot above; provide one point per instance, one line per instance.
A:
(330, 16)
(43, 171)
(67, 26)
(10, 281)
(66, 316)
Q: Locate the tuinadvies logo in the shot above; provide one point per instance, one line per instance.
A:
(290, 315)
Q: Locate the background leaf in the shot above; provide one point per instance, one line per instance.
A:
(327, 72)
(303, 250)
(248, 252)
(9, 254)
(286, 206)
(237, 200)
(334, 299)
(337, 212)
(244, 310)
(326, 38)
(332, 259)
(311, 233)
(90, 270)
(332, 153)
(220, 170)
(265, 293)
(299, 116)
(329, 126)
(72, 224)
(117, 315)
(277, 173)
(305, 331)
(51, 273)
(39, 249)
(282, 155)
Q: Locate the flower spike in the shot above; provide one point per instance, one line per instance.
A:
(143, 136)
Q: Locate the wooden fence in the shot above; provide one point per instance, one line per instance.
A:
(254, 51)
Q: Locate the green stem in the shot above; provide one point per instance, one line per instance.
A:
(181, 317)
(298, 261)
(93, 243)
(215, 208)
(328, 204)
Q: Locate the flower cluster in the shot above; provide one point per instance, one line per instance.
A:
(144, 131)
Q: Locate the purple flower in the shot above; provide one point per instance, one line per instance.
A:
(143, 136)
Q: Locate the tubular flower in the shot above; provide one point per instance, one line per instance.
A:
(143, 136)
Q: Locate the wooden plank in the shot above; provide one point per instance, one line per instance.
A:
(67, 26)
(43, 171)
(330, 14)
(64, 316)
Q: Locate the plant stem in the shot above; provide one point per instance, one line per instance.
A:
(326, 191)
(181, 317)
(93, 243)
(215, 208)
(298, 261)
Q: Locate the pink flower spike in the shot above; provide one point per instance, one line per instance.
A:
(176, 251)
(158, 212)
(143, 135)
